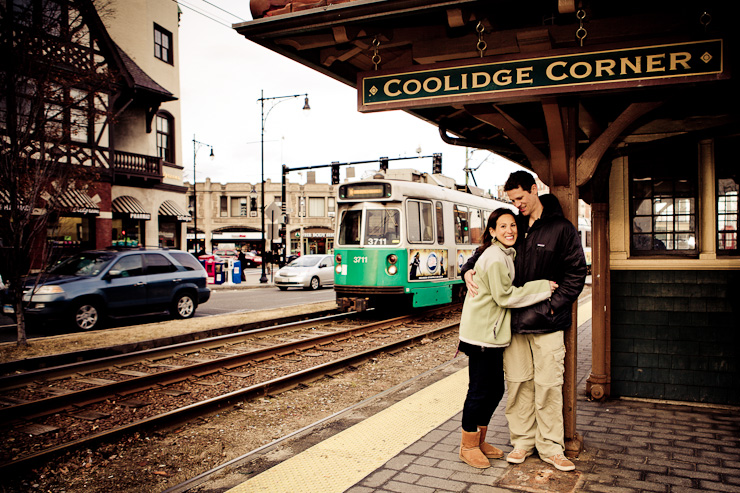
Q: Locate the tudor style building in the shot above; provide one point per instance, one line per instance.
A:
(121, 134)
(631, 106)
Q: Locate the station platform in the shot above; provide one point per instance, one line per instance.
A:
(407, 440)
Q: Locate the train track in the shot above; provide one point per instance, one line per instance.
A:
(53, 410)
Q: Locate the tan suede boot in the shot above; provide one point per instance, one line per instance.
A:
(488, 450)
(470, 450)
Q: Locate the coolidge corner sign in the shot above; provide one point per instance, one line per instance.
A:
(499, 79)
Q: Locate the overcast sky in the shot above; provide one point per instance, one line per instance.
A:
(221, 76)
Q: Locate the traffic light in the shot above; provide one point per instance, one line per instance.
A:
(437, 163)
(335, 173)
(384, 164)
(281, 233)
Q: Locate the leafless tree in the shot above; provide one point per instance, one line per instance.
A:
(52, 82)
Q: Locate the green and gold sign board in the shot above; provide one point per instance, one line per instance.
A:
(501, 78)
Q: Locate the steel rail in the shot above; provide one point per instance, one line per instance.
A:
(9, 382)
(280, 384)
(41, 362)
(57, 403)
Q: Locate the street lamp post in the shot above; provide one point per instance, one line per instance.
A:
(262, 99)
(197, 145)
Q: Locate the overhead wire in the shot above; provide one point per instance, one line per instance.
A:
(181, 3)
(223, 10)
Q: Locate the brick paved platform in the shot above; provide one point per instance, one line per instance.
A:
(629, 446)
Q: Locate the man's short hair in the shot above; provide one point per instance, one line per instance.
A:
(519, 179)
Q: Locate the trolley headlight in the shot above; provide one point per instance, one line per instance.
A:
(392, 268)
(339, 258)
(338, 267)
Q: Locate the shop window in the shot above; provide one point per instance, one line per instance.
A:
(127, 232)
(70, 234)
(663, 201)
(440, 223)
(163, 44)
(462, 235)
(165, 138)
(316, 207)
(169, 233)
(728, 186)
(419, 221)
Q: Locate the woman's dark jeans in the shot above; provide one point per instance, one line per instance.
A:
(486, 386)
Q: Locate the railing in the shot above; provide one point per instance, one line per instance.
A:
(130, 164)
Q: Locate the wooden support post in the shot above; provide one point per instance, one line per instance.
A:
(568, 197)
(598, 383)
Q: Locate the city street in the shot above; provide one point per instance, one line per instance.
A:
(244, 297)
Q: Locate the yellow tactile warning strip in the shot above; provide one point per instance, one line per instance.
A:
(344, 459)
(341, 461)
(584, 312)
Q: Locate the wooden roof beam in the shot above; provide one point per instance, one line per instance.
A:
(590, 158)
(556, 137)
(494, 116)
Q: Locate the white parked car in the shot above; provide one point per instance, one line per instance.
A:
(307, 272)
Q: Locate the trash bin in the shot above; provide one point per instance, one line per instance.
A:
(236, 272)
(219, 272)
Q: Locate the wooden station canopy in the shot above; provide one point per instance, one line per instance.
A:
(559, 86)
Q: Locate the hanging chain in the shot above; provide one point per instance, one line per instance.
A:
(705, 19)
(481, 44)
(376, 57)
(581, 32)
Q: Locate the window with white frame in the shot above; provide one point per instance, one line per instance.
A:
(316, 207)
(239, 207)
(663, 200)
(419, 221)
(163, 44)
(727, 189)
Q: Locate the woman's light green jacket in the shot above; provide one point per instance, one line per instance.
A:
(486, 318)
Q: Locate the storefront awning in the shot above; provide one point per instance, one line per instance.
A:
(130, 207)
(170, 208)
(77, 202)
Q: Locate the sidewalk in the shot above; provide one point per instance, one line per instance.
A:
(630, 446)
(252, 275)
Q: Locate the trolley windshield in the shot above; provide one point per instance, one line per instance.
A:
(381, 227)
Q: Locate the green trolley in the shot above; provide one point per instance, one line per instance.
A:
(402, 238)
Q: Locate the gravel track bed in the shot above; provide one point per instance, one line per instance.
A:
(157, 460)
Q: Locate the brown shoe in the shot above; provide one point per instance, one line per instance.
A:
(488, 450)
(470, 452)
(518, 455)
(560, 462)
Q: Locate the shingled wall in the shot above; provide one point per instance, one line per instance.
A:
(676, 335)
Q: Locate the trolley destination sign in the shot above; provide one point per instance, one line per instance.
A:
(499, 79)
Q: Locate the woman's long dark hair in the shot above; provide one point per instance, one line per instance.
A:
(492, 220)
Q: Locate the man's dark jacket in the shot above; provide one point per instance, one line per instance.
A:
(550, 249)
